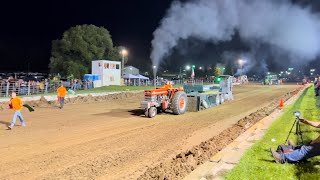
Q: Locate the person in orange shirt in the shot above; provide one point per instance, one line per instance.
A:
(62, 91)
(16, 104)
(168, 85)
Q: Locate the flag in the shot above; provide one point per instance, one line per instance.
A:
(71, 91)
(28, 107)
(192, 73)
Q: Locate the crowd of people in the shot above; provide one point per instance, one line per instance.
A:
(23, 87)
(78, 84)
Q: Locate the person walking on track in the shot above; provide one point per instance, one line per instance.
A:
(62, 91)
(16, 104)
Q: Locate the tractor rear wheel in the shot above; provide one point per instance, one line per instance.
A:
(179, 103)
(152, 112)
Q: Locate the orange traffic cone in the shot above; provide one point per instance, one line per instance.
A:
(281, 105)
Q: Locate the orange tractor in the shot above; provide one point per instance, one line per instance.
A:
(162, 99)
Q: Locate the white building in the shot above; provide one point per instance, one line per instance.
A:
(130, 70)
(109, 72)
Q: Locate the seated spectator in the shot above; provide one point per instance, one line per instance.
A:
(79, 84)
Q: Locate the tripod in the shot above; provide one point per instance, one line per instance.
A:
(298, 131)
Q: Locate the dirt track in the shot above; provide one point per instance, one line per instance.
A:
(108, 140)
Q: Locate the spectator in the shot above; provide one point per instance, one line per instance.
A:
(62, 91)
(74, 85)
(46, 85)
(79, 84)
(16, 104)
(90, 85)
(316, 86)
(85, 82)
(300, 153)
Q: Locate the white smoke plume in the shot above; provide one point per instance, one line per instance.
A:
(278, 23)
(248, 62)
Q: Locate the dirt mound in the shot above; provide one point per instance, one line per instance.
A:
(184, 163)
(42, 103)
(90, 98)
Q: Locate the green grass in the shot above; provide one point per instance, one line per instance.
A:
(257, 163)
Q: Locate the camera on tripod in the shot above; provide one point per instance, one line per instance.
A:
(296, 124)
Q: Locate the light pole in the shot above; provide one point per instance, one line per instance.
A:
(192, 72)
(124, 52)
(154, 76)
(241, 65)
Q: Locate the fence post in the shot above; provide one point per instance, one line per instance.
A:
(46, 87)
(29, 88)
(19, 89)
(7, 89)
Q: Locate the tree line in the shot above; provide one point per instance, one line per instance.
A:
(73, 53)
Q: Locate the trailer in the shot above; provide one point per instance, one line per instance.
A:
(201, 97)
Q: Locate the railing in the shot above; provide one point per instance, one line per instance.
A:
(31, 88)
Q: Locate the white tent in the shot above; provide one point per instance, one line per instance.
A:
(136, 79)
(130, 76)
(142, 77)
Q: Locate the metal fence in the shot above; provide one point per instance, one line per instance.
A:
(33, 88)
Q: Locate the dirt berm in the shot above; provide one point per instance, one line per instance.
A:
(79, 100)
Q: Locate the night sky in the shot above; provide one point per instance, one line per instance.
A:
(28, 28)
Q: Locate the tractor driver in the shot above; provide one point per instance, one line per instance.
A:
(169, 87)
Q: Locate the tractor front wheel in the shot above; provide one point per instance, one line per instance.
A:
(152, 112)
(179, 103)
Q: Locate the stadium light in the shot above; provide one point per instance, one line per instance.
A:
(241, 62)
